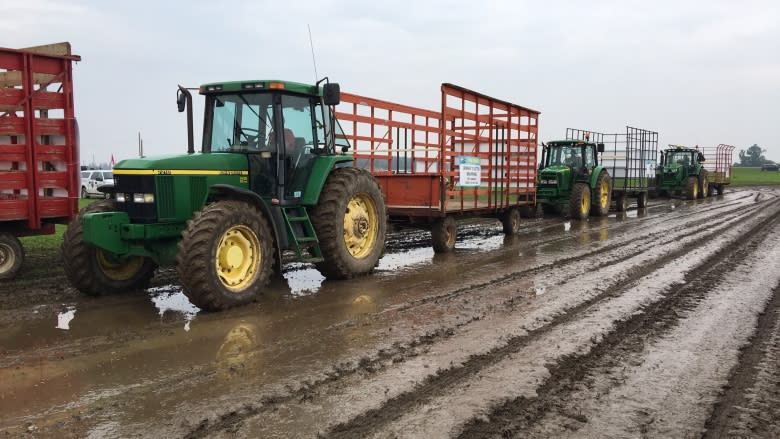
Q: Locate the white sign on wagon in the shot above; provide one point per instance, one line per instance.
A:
(470, 171)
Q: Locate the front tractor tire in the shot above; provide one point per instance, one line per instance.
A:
(579, 204)
(11, 256)
(602, 195)
(704, 185)
(226, 255)
(95, 271)
(351, 223)
(692, 188)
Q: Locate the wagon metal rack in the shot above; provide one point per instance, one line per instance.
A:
(474, 157)
(629, 158)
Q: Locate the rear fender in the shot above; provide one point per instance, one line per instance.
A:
(594, 176)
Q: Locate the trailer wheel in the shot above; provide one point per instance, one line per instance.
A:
(11, 256)
(692, 188)
(351, 222)
(621, 202)
(704, 185)
(720, 189)
(225, 255)
(603, 195)
(641, 200)
(579, 204)
(94, 271)
(443, 233)
(511, 221)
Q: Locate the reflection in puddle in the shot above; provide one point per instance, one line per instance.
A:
(567, 226)
(237, 355)
(302, 278)
(394, 261)
(64, 318)
(171, 298)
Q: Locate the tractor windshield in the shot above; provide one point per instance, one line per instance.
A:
(679, 157)
(239, 122)
(565, 155)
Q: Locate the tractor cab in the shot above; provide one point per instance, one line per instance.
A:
(281, 128)
(565, 162)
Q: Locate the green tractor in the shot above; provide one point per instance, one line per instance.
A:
(273, 177)
(681, 171)
(569, 175)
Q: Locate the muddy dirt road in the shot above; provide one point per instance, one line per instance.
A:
(659, 323)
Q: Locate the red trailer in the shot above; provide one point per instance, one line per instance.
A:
(39, 158)
(476, 157)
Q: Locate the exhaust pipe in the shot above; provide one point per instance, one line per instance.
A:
(184, 100)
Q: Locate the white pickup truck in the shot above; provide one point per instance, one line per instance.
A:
(92, 179)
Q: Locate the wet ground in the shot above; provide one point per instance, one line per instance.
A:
(654, 323)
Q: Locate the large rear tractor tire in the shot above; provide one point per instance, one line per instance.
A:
(602, 195)
(704, 185)
(443, 234)
(510, 220)
(641, 200)
(351, 223)
(11, 256)
(95, 271)
(225, 255)
(692, 188)
(579, 205)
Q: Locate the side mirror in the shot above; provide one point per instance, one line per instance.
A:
(331, 93)
(701, 157)
(600, 147)
(181, 101)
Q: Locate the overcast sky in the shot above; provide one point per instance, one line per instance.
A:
(697, 72)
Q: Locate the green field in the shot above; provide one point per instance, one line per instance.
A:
(754, 177)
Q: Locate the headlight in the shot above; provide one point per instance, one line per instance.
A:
(120, 198)
(143, 198)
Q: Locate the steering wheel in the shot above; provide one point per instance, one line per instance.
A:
(252, 140)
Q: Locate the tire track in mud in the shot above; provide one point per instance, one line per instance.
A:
(522, 417)
(620, 244)
(749, 406)
(229, 420)
(375, 420)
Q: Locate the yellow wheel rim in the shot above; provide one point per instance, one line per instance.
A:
(360, 225)
(238, 258)
(7, 258)
(585, 203)
(704, 186)
(695, 190)
(604, 193)
(116, 269)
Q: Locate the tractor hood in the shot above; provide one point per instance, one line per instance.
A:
(185, 162)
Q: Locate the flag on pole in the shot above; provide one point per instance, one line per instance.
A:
(113, 162)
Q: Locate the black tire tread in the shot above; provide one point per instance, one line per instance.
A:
(194, 261)
(78, 259)
(575, 202)
(327, 217)
(16, 246)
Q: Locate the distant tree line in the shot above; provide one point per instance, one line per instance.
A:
(752, 157)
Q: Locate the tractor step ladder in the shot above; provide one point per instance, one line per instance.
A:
(301, 230)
